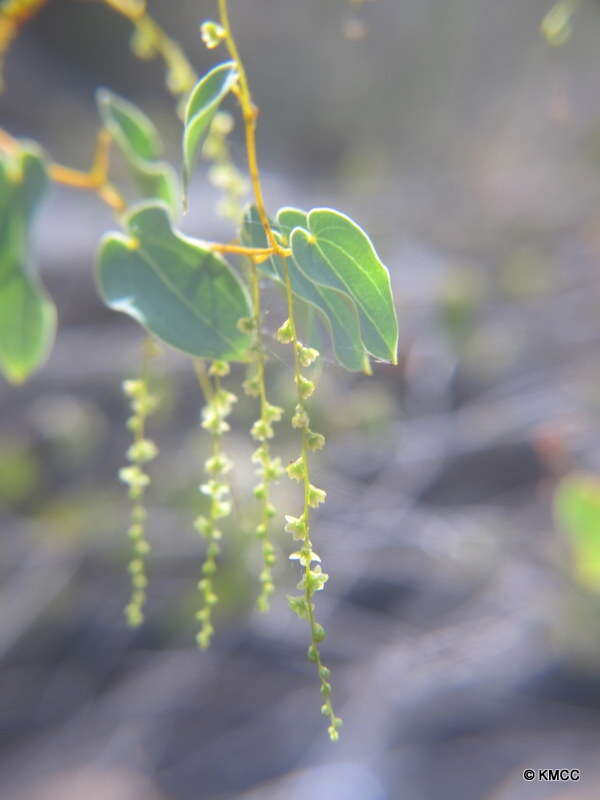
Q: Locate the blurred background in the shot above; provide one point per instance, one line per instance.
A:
(463, 637)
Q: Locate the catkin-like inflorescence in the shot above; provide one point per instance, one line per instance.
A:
(219, 404)
(268, 469)
(140, 453)
(313, 578)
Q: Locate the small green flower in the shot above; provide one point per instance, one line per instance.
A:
(142, 451)
(306, 355)
(314, 441)
(305, 387)
(296, 526)
(316, 496)
(300, 418)
(219, 368)
(296, 470)
(218, 464)
(305, 556)
(260, 491)
(285, 333)
(212, 34)
(251, 386)
(262, 430)
(273, 470)
(272, 413)
(299, 606)
(134, 477)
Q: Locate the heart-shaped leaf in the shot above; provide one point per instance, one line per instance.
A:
(337, 311)
(27, 315)
(204, 100)
(334, 252)
(181, 292)
(140, 143)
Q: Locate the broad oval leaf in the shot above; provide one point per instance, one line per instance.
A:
(177, 289)
(140, 143)
(334, 252)
(337, 311)
(204, 100)
(27, 315)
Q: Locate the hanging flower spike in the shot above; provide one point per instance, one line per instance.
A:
(142, 451)
(268, 469)
(313, 579)
(219, 404)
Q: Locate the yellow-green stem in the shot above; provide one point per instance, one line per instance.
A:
(250, 114)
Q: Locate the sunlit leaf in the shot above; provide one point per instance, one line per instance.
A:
(334, 252)
(204, 100)
(134, 132)
(27, 315)
(577, 504)
(140, 143)
(181, 292)
(336, 310)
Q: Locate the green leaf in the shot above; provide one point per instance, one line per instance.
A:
(158, 181)
(133, 131)
(336, 309)
(27, 315)
(204, 100)
(577, 506)
(138, 140)
(177, 289)
(333, 252)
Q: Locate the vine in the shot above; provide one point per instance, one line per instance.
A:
(187, 295)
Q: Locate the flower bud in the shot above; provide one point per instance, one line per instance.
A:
(305, 387)
(212, 34)
(285, 333)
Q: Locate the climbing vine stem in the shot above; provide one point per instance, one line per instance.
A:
(188, 296)
(250, 114)
(95, 179)
(313, 578)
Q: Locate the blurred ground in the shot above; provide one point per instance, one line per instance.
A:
(462, 649)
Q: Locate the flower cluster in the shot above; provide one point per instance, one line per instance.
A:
(219, 404)
(142, 450)
(313, 578)
(268, 469)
